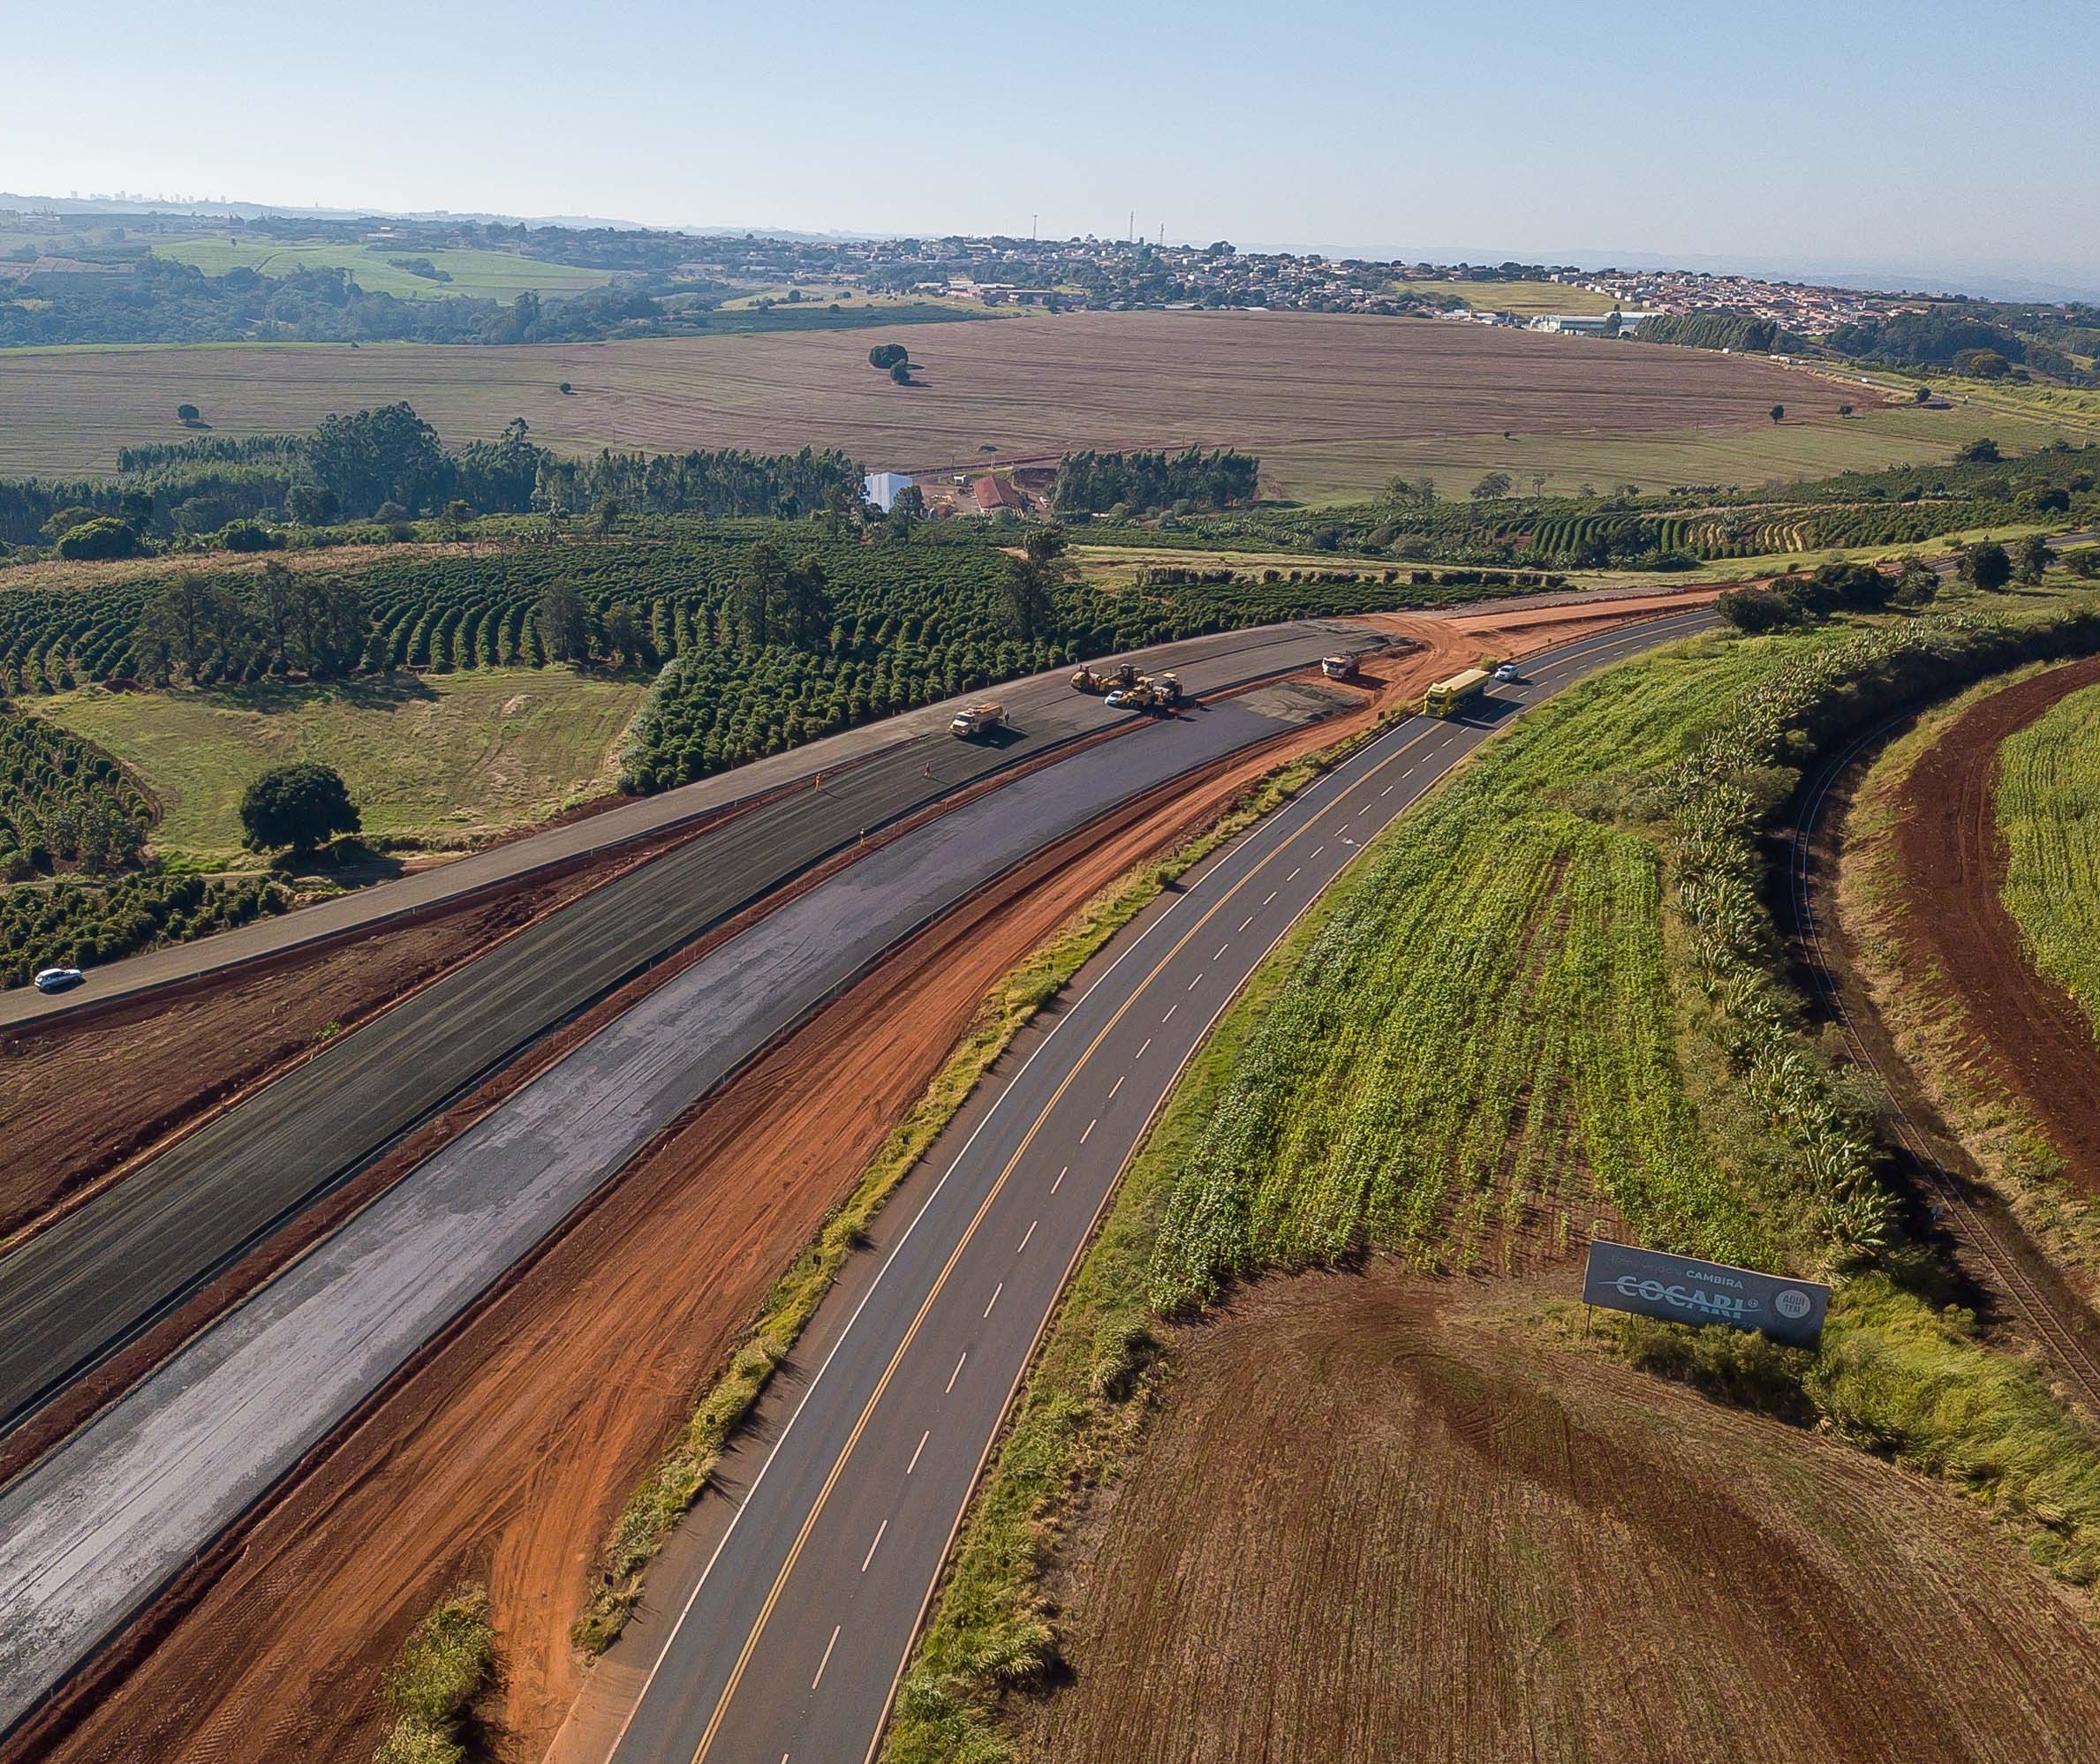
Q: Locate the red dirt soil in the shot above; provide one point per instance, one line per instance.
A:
(1953, 861)
(1382, 1516)
(508, 1446)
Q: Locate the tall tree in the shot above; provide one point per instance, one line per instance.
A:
(565, 631)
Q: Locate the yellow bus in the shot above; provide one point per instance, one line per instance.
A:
(1449, 697)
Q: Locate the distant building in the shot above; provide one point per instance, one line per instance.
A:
(992, 495)
(883, 488)
(1589, 325)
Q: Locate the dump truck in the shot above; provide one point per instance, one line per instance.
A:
(978, 719)
(1449, 697)
(1338, 666)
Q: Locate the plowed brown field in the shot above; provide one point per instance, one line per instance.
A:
(1380, 1516)
(507, 1447)
(1323, 399)
(1953, 861)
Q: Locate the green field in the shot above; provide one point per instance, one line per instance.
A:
(486, 275)
(1525, 298)
(2048, 810)
(1514, 1020)
(445, 761)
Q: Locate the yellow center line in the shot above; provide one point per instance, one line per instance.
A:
(809, 1524)
(750, 1641)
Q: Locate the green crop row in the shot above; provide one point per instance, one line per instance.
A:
(63, 799)
(2048, 811)
(76, 924)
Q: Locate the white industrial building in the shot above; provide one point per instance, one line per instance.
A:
(884, 487)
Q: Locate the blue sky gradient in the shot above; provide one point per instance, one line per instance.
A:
(1920, 137)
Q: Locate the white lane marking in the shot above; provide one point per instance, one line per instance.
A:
(1194, 983)
(1118, 1085)
(826, 1661)
(916, 1450)
(1293, 876)
(1244, 924)
(956, 1374)
(1140, 1054)
(994, 1300)
(874, 1547)
(1387, 791)
(1220, 955)
(1061, 1176)
(1090, 1126)
(1032, 1224)
(1271, 897)
(1315, 853)
(1171, 1009)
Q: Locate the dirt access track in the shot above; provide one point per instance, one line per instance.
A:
(1953, 862)
(1470, 1541)
(503, 1451)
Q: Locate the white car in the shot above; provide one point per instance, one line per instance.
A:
(1508, 673)
(1117, 699)
(57, 979)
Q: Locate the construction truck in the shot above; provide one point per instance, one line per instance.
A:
(977, 720)
(1098, 680)
(1449, 697)
(1165, 688)
(1338, 666)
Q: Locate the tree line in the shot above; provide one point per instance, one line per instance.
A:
(388, 463)
(1095, 483)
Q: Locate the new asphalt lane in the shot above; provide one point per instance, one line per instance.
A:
(789, 1644)
(95, 1526)
(78, 1291)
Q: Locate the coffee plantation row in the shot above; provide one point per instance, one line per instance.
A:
(901, 623)
(76, 924)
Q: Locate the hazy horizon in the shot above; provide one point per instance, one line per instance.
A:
(1888, 137)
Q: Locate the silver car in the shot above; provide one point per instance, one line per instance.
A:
(58, 979)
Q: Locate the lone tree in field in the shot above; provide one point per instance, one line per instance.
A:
(1985, 565)
(2033, 558)
(1778, 412)
(189, 416)
(1492, 488)
(301, 806)
(888, 357)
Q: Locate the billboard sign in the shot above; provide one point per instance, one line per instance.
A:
(1679, 1289)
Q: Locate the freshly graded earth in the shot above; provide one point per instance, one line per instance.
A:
(1383, 1516)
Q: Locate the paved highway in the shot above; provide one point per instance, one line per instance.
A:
(791, 1642)
(94, 1279)
(1043, 703)
(95, 1526)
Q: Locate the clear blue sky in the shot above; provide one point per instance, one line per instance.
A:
(1872, 133)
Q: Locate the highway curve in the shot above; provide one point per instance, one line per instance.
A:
(95, 1528)
(79, 1290)
(787, 1650)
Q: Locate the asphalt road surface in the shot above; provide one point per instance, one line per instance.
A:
(789, 1645)
(78, 1291)
(1044, 704)
(99, 1524)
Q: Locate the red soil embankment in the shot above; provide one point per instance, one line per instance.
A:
(1953, 861)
